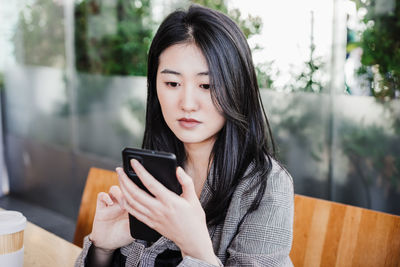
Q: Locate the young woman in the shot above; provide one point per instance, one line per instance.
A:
(204, 105)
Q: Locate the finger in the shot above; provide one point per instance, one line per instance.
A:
(104, 200)
(155, 187)
(139, 211)
(116, 194)
(142, 217)
(188, 190)
(130, 203)
(137, 197)
(133, 191)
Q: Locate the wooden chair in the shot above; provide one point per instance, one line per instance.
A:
(331, 234)
(98, 180)
(325, 233)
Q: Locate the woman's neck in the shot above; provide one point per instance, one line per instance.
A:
(197, 163)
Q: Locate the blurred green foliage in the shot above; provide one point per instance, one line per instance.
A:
(112, 38)
(250, 25)
(373, 151)
(309, 79)
(302, 119)
(380, 42)
(40, 36)
(124, 51)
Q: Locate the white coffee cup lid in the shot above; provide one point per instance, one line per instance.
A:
(11, 222)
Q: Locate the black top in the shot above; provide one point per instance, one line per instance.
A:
(169, 258)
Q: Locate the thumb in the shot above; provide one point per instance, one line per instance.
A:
(186, 182)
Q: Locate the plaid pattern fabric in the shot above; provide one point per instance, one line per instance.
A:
(264, 237)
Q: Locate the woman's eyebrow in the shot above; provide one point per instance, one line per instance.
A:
(203, 73)
(168, 71)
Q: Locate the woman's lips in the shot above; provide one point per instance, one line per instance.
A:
(188, 123)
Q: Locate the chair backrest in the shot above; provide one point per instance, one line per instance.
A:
(332, 234)
(325, 233)
(98, 180)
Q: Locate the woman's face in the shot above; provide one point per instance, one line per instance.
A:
(183, 91)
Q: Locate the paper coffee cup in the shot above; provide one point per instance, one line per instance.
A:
(12, 226)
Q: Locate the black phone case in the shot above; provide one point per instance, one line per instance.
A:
(162, 166)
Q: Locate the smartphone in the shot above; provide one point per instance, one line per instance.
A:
(162, 166)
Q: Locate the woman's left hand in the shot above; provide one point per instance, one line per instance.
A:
(179, 218)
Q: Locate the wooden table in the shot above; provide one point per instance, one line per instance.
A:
(43, 249)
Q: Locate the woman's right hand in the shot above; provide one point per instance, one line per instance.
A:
(111, 222)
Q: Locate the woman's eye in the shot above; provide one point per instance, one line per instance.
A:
(205, 86)
(171, 84)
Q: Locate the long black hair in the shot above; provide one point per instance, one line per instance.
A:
(246, 136)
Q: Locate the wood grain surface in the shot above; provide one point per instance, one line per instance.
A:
(332, 234)
(44, 249)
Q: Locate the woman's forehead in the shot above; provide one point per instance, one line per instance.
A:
(183, 58)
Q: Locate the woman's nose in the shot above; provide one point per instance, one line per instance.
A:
(188, 99)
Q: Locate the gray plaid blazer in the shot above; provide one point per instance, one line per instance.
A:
(264, 238)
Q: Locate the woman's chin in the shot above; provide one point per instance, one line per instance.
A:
(192, 140)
